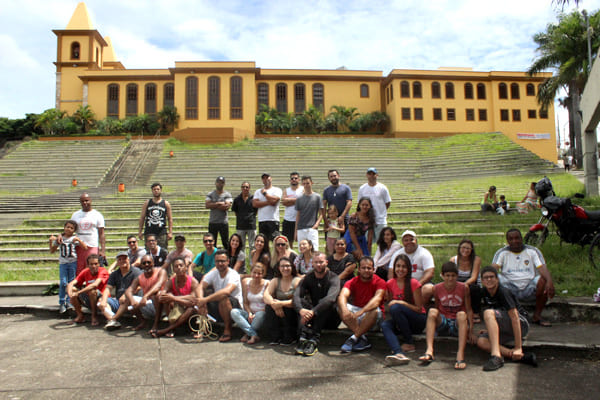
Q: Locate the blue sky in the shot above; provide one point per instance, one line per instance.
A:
(370, 35)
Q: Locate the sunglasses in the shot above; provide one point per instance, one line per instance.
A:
(132, 242)
(208, 241)
(280, 245)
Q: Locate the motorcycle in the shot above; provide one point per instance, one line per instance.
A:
(572, 223)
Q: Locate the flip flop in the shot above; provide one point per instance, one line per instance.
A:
(170, 335)
(543, 322)
(460, 365)
(225, 338)
(153, 333)
(427, 358)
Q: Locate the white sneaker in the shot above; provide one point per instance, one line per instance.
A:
(112, 325)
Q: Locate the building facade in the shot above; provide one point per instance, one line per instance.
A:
(218, 101)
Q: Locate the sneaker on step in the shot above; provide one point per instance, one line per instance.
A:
(310, 349)
(112, 325)
(348, 345)
(362, 344)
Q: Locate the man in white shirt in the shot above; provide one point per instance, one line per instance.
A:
(266, 200)
(90, 229)
(289, 201)
(380, 198)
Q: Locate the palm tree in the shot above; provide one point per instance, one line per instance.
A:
(343, 116)
(85, 117)
(563, 47)
(47, 121)
(168, 118)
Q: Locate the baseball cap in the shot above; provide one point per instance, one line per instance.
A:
(220, 178)
(122, 253)
(373, 170)
(409, 232)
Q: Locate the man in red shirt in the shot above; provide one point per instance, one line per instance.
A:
(367, 292)
(87, 288)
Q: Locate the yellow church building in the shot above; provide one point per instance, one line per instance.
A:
(218, 101)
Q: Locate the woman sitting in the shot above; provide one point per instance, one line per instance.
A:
(251, 317)
(303, 262)
(281, 318)
(237, 257)
(361, 224)
(490, 200)
(530, 202)
(468, 272)
(261, 254)
(342, 263)
(406, 311)
(387, 245)
(281, 248)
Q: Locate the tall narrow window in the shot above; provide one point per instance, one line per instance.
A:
(404, 89)
(480, 91)
(503, 115)
(319, 96)
(364, 90)
(516, 115)
(281, 93)
(482, 114)
(436, 92)
(405, 113)
(236, 97)
(417, 90)
(392, 92)
(502, 91)
(75, 51)
(191, 97)
(112, 107)
(530, 89)
(468, 90)
(437, 114)
(470, 114)
(131, 108)
(418, 113)
(214, 97)
(299, 98)
(514, 91)
(449, 90)
(169, 95)
(263, 94)
(150, 99)
(450, 114)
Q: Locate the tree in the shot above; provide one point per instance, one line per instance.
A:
(343, 116)
(168, 118)
(84, 117)
(563, 47)
(47, 121)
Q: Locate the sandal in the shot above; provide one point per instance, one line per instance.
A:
(427, 358)
(170, 334)
(460, 364)
(153, 333)
(225, 338)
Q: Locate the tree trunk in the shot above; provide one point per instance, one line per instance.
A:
(575, 117)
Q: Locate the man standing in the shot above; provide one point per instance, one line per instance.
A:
(245, 216)
(367, 292)
(119, 280)
(380, 198)
(87, 288)
(339, 195)
(314, 300)
(266, 199)
(218, 202)
(155, 216)
(288, 229)
(227, 293)
(159, 254)
(518, 265)
(308, 216)
(90, 229)
(180, 252)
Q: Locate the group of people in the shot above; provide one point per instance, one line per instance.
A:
(290, 297)
(490, 201)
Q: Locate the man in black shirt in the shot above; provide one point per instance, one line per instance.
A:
(156, 218)
(314, 300)
(505, 320)
(245, 216)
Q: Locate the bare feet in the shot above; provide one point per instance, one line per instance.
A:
(408, 348)
(244, 338)
(78, 319)
(253, 340)
(95, 322)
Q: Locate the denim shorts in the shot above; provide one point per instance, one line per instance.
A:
(447, 327)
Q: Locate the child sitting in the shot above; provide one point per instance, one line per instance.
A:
(334, 228)
(67, 261)
(451, 316)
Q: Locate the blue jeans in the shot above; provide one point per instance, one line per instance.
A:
(66, 273)
(405, 322)
(240, 317)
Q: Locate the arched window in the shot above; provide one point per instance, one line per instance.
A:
(131, 107)
(404, 89)
(75, 51)
(263, 94)
(299, 98)
(449, 90)
(319, 95)
(112, 106)
(417, 90)
(236, 97)
(191, 97)
(281, 97)
(468, 90)
(150, 96)
(480, 91)
(530, 89)
(502, 91)
(364, 90)
(169, 95)
(436, 91)
(214, 97)
(514, 91)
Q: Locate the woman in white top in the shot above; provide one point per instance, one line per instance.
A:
(468, 264)
(251, 318)
(303, 262)
(387, 245)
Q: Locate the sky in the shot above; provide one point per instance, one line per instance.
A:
(327, 34)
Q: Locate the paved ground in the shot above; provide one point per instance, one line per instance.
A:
(46, 357)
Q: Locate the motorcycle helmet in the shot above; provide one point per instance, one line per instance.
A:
(544, 188)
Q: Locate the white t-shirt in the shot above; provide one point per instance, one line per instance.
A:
(214, 279)
(518, 268)
(289, 213)
(421, 261)
(268, 213)
(379, 196)
(87, 226)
